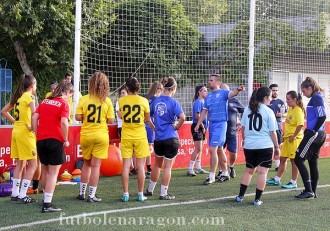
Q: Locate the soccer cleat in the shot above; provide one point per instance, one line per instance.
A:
(26, 200)
(222, 178)
(147, 193)
(306, 195)
(272, 181)
(133, 172)
(290, 185)
(148, 175)
(32, 191)
(239, 198)
(94, 199)
(141, 198)
(14, 199)
(208, 181)
(201, 171)
(167, 197)
(50, 209)
(125, 198)
(232, 172)
(81, 197)
(257, 203)
(191, 172)
(219, 173)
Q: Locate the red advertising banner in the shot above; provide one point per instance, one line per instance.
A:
(73, 152)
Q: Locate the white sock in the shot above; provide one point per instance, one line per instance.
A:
(24, 187)
(293, 181)
(48, 197)
(191, 165)
(140, 193)
(198, 164)
(212, 175)
(163, 190)
(231, 166)
(82, 188)
(92, 191)
(224, 173)
(277, 163)
(125, 194)
(278, 179)
(16, 186)
(152, 186)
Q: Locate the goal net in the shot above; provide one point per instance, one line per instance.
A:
(190, 39)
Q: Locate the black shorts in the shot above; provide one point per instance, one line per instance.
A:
(167, 148)
(258, 157)
(231, 142)
(197, 136)
(51, 152)
(310, 145)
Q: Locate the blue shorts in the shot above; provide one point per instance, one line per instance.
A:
(231, 143)
(150, 135)
(217, 133)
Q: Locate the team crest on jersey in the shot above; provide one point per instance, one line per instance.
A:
(161, 108)
(217, 95)
(34, 153)
(32, 97)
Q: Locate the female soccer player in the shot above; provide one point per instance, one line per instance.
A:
(23, 141)
(134, 111)
(199, 136)
(164, 111)
(50, 123)
(293, 134)
(314, 138)
(259, 139)
(96, 111)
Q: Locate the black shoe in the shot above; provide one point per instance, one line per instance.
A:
(148, 175)
(81, 197)
(315, 195)
(305, 195)
(276, 169)
(208, 181)
(50, 209)
(232, 172)
(133, 172)
(219, 173)
(167, 197)
(147, 193)
(94, 199)
(26, 200)
(222, 178)
(14, 199)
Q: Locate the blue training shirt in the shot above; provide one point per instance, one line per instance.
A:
(276, 105)
(257, 127)
(165, 110)
(216, 104)
(315, 109)
(197, 109)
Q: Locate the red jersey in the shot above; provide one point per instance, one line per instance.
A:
(50, 113)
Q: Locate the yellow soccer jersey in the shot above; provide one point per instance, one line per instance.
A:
(133, 108)
(70, 102)
(95, 114)
(48, 94)
(294, 118)
(22, 113)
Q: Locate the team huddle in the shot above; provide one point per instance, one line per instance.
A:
(40, 135)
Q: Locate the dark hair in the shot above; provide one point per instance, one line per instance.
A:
(132, 85)
(153, 89)
(273, 85)
(258, 97)
(121, 88)
(169, 83)
(297, 96)
(197, 90)
(67, 74)
(310, 82)
(25, 82)
(61, 88)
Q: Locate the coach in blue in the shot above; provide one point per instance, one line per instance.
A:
(314, 138)
(215, 107)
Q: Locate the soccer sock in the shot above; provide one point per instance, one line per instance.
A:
(16, 186)
(293, 181)
(82, 188)
(231, 166)
(48, 197)
(92, 191)
(149, 167)
(35, 184)
(198, 164)
(163, 190)
(152, 186)
(278, 179)
(242, 189)
(140, 193)
(303, 173)
(191, 165)
(24, 187)
(277, 163)
(224, 173)
(258, 194)
(212, 175)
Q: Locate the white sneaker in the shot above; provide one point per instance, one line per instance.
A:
(191, 172)
(201, 171)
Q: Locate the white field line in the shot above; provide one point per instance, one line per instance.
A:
(140, 208)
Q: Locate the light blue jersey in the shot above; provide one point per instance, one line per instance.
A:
(165, 110)
(257, 127)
